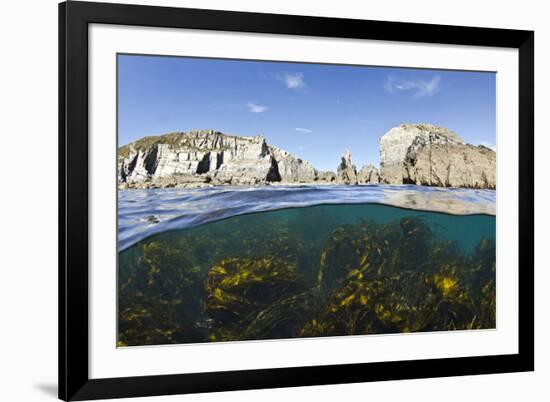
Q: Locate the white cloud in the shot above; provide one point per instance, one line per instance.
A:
(417, 88)
(256, 108)
(303, 130)
(293, 81)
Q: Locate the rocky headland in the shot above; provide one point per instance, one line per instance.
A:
(419, 154)
(429, 155)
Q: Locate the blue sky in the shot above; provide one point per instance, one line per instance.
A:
(314, 111)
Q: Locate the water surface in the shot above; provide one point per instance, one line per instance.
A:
(142, 213)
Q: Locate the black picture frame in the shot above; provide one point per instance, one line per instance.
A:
(74, 18)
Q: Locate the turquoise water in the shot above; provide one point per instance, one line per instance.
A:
(321, 270)
(142, 213)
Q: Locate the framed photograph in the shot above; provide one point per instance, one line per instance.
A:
(257, 200)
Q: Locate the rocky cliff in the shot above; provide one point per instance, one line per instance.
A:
(368, 174)
(208, 157)
(292, 169)
(421, 154)
(429, 155)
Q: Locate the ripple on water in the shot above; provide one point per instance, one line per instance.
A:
(142, 213)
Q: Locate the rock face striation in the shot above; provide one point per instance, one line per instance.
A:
(421, 154)
(208, 157)
(429, 155)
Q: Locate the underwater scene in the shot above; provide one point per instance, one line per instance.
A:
(235, 264)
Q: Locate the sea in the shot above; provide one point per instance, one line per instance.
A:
(274, 262)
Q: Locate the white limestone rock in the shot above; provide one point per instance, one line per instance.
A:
(207, 156)
(292, 169)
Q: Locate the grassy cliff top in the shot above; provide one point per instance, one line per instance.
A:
(177, 138)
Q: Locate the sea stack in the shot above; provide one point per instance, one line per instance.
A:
(346, 172)
(368, 174)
